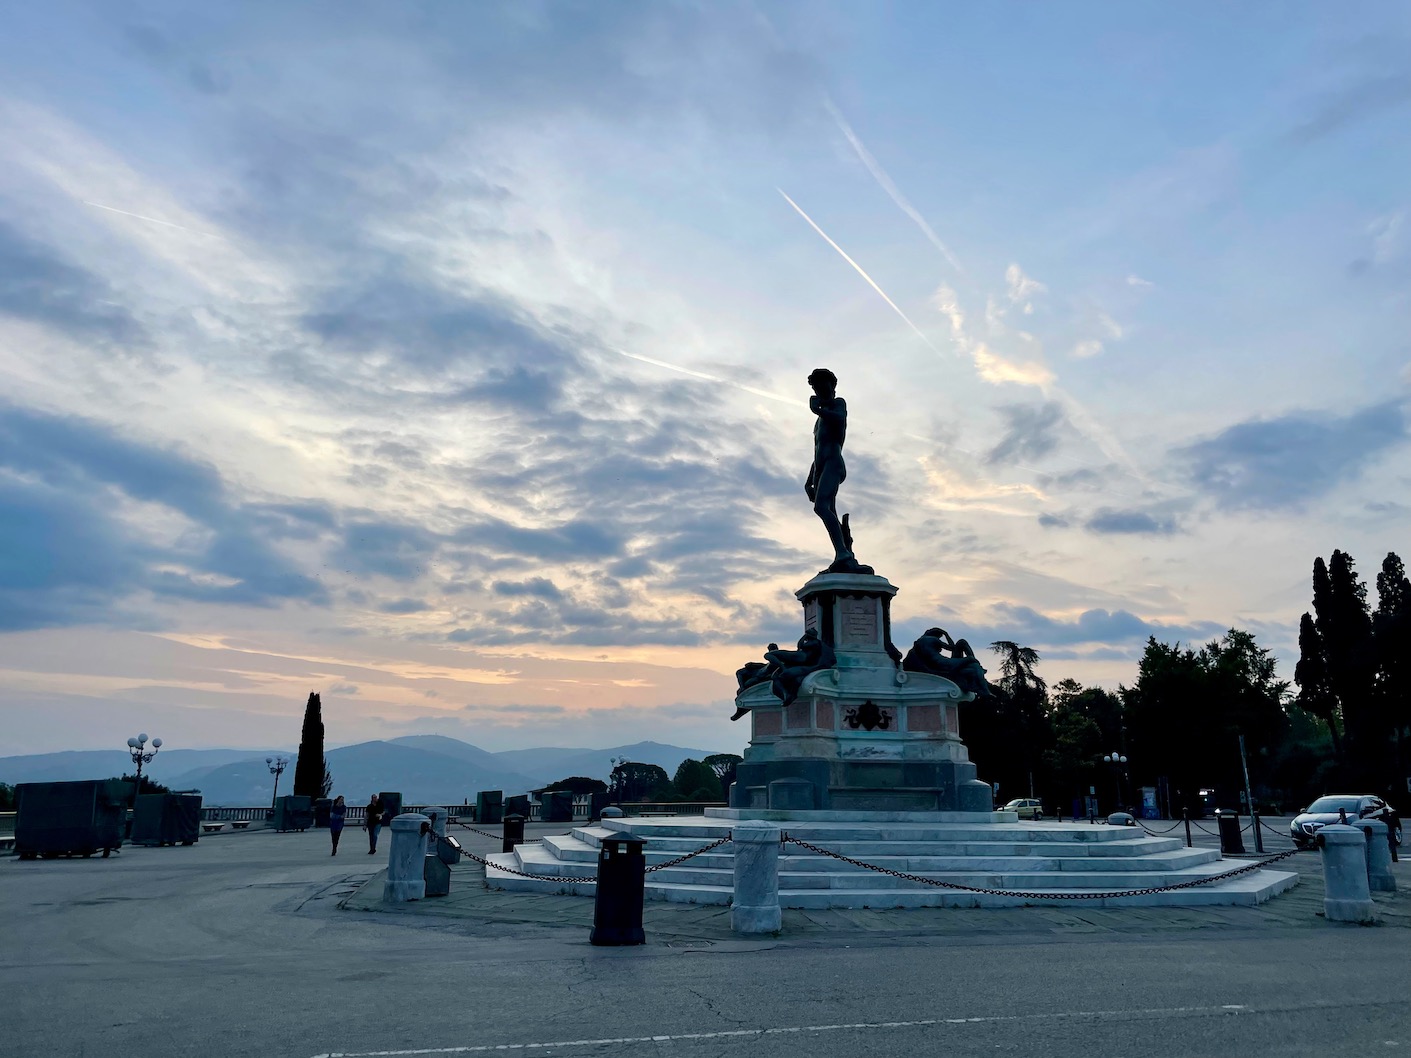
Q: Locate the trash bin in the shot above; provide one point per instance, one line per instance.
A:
(514, 833)
(323, 807)
(167, 819)
(70, 818)
(556, 806)
(489, 807)
(622, 879)
(1229, 824)
(293, 812)
(391, 806)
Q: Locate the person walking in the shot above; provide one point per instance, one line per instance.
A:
(373, 823)
(337, 816)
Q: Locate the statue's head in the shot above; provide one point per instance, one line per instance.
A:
(934, 633)
(823, 380)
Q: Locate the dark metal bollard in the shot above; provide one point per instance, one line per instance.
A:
(1229, 824)
(1186, 817)
(1254, 826)
(514, 833)
(622, 879)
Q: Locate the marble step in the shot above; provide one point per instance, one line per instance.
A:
(1247, 889)
(569, 849)
(1133, 846)
(709, 829)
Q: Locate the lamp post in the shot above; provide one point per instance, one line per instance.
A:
(137, 749)
(1118, 762)
(276, 768)
(141, 755)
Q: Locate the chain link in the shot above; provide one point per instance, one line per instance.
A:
(1158, 833)
(682, 859)
(560, 878)
(1051, 895)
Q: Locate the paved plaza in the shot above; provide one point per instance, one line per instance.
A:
(255, 943)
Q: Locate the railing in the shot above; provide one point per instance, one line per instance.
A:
(7, 822)
(582, 811)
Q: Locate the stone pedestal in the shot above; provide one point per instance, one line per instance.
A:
(406, 859)
(1346, 897)
(864, 735)
(1379, 876)
(754, 908)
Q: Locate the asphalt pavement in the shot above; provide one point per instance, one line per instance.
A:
(255, 943)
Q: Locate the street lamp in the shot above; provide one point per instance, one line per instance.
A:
(1118, 762)
(141, 755)
(276, 768)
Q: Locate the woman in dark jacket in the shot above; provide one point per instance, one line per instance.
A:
(337, 816)
(373, 823)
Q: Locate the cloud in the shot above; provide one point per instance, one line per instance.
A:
(1283, 463)
(1139, 282)
(1113, 521)
(1022, 288)
(1084, 350)
(1353, 104)
(1032, 431)
(36, 284)
(85, 537)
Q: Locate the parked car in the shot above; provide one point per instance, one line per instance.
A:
(1323, 811)
(1027, 807)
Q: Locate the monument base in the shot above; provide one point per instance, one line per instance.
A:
(824, 784)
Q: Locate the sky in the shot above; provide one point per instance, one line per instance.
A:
(449, 360)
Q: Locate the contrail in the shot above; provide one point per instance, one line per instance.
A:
(712, 378)
(150, 220)
(880, 175)
(858, 268)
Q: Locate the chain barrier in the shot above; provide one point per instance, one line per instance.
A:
(1158, 833)
(560, 878)
(1051, 895)
(682, 859)
(1200, 828)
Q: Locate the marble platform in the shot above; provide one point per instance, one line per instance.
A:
(1045, 859)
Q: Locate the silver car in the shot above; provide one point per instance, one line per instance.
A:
(1325, 810)
(1027, 807)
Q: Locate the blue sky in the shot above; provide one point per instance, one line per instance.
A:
(450, 359)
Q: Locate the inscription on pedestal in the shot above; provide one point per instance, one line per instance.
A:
(810, 616)
(857, 621)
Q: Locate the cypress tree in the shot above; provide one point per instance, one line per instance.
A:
(1315, 690)
(309, 769)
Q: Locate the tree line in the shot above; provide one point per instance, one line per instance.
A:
(1346, 728)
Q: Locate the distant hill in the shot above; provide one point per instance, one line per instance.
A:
(169, 766)
(424, 768)
(597, 763)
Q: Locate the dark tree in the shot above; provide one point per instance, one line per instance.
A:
(1345, 626)
(633, 781)
(327, 785)
(7, 797)
(310, 767)
(148, 786)
(724, 765)
(1315, 686)
(1391, 633)
(1188, 708)
(578, 785)
(695, 781)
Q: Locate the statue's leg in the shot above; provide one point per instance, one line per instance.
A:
(825, 505)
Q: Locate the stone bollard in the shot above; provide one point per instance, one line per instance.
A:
(1346, 897)
(1379, 876)
(406, 859)
(611, 812)
(755, 908)
(438, 818)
